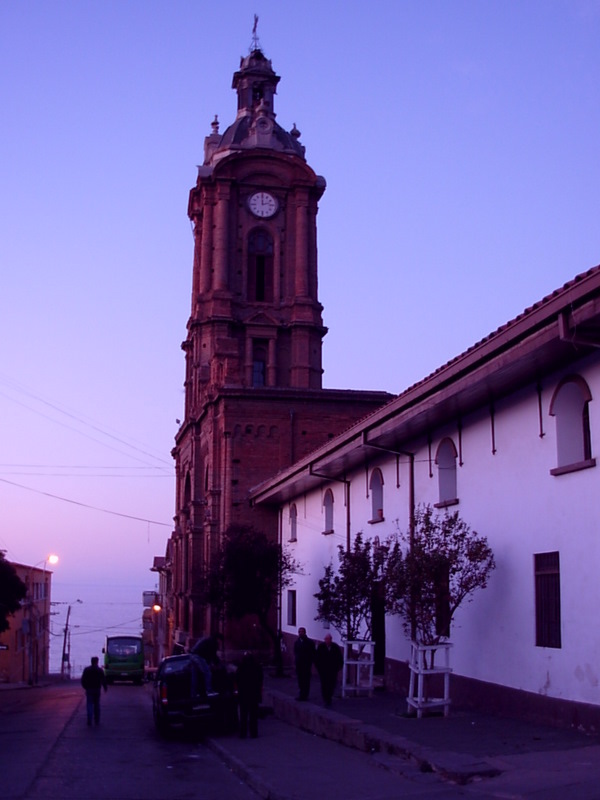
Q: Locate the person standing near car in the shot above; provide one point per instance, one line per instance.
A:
(93, 680)
(249, 681)
(304, 656)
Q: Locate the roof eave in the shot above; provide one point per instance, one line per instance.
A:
(521, 352)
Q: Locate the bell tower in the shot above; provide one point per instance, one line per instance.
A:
(256, 320)
(254, 401)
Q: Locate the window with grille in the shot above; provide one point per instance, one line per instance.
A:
(547, 599)
(291, 607)
(259, 363)
(446, 464)
(376, 487)
(260, 266)
(293, 523)
(570, 408)
(328, 511)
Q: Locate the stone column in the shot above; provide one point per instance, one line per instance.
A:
(206, 249)
(221, 239)
(301, 281)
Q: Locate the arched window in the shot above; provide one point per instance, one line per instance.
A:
(328, 510)
(260, 266)
(187, 491)
(446, 463)
(376, 487)
(570, 407)
(293, 523)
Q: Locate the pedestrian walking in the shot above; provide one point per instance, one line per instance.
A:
(249, 681)
(329, 661)
(93, 680)
(304, 656)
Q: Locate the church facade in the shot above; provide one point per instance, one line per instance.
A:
(254, 400)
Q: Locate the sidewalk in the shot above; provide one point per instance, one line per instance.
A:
(45, 680)
(461, 747)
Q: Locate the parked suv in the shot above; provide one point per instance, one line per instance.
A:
(179, 695)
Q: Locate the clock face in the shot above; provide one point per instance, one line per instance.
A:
(263, 204)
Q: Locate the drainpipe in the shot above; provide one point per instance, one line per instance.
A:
(279, 655)
(292, 441)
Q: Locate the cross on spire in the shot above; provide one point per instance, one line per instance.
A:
(255, 44)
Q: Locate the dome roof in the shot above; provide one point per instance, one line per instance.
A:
(240, 135)
(255, 127)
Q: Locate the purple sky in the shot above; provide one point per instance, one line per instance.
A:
(459, 141)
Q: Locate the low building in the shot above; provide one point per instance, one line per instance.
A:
(506, 433)
(25, 646)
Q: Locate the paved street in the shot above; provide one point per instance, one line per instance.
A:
(47, 751)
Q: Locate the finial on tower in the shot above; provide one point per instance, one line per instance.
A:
(255, 45)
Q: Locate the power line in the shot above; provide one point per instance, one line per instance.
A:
(136, 620)
(87, 422)
(85, 505)
(79, 475)
(73, 466)
(82, 433)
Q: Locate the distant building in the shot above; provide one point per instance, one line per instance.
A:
(507, 433)
(27, 655)
(254, 401)
(155, 618)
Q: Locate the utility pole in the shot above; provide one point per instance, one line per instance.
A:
(64, 648)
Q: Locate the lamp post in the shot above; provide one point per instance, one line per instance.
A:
(32, 628)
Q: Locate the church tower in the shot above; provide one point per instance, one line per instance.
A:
(254, 401)
(256, 320)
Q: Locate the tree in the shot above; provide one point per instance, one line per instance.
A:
(12, 591)
(247, 575)
(345, 598)
(431, 572)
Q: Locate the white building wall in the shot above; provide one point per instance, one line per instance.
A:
(510, 497)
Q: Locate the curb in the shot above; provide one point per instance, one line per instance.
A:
(455, 767)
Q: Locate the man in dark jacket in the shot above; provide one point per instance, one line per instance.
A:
(329, 661)
(304, 656)
(92, 680)
(249, 680)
